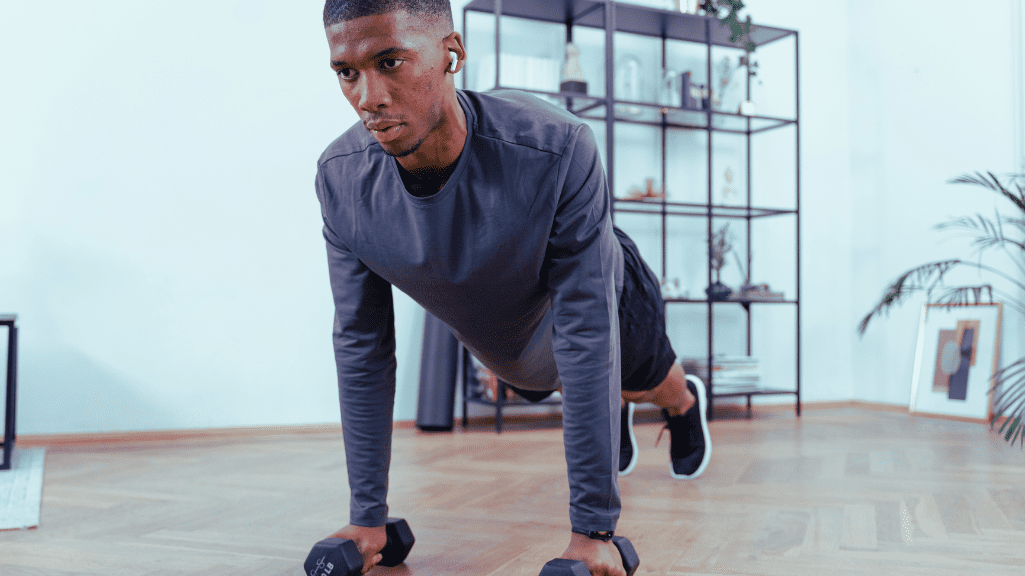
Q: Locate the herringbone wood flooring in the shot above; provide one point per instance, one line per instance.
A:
(840, 491)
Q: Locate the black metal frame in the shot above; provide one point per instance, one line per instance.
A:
(668, 25)
(12, 387)
(465, 374)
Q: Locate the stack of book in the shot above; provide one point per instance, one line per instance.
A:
(757, 292)
(729, 373)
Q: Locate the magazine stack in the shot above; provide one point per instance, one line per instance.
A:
(729, 373)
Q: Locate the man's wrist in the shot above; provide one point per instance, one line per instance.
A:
(603, 535)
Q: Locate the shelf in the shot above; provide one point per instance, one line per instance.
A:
(750, 391)
(742, 301)
(517, 401)
(630, 18)
(657, 115)
(655, 205)
(708, 32)
(650, 114)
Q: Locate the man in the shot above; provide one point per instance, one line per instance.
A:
(492, 212)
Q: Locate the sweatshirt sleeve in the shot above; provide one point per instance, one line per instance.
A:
(364, 346)
(581, 281)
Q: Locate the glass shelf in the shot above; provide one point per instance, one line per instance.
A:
(743, 301)
(655, 205)
(647, 113)
(630, 18)
(749, 391)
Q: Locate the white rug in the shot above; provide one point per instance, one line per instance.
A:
(21, 489)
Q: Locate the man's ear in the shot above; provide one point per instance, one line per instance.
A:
(457, 53)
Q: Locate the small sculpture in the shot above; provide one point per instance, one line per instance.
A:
(635, 193)
(728, 190)
(672, 290)
(572, 74)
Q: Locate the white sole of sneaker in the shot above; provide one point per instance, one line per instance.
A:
(703, 408)
(633, 438)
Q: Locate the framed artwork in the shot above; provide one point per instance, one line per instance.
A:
(958, 353)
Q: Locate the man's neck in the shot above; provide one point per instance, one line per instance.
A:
(443, 145)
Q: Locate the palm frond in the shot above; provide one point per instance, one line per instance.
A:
(995, 185)
(1018, 223)
(1009, 400)
(966, 295)
(924, 277)
(988, 233)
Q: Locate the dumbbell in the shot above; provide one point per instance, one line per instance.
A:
(563, 567)
(341, 556)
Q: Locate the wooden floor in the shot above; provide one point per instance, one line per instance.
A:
(837, 492)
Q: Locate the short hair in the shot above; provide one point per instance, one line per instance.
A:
(336, 11)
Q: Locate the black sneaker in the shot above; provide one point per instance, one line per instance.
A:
(627, 441)
(690, 445)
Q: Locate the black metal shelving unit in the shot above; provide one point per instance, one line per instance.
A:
(615, 17)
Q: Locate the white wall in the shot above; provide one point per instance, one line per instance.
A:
(159, 232)
(160, 238)
(932, 93)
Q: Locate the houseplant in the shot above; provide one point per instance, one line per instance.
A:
(740, 29)
(1008, 383)
(722, 243)
(740, 35)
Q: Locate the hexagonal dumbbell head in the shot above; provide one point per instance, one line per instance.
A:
(400, 542)
(630, 558)
(334, 557)
(563, 567)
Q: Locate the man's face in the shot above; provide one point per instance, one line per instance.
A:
(391, 68)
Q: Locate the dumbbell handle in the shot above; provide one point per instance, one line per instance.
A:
(400, 541)
(563, 567)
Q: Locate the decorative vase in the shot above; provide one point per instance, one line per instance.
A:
(718, 292)
(572, 74)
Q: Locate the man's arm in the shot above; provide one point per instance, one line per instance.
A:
(364, 346)
(581, 263)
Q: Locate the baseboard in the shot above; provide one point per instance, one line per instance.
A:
(173, 435)
(651, 413)
(647, 413)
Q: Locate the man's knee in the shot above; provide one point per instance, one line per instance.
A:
(638, 397)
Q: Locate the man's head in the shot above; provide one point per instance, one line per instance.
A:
(394, 60)
(336, 11)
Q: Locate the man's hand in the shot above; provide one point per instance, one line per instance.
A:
(601, 558)
(370, 542)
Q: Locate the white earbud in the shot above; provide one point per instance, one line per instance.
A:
(455, 61)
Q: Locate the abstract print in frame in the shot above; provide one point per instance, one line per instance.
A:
(958, 353)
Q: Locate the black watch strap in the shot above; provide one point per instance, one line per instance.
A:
(603, 535)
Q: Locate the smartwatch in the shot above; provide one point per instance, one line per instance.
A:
(603, 535)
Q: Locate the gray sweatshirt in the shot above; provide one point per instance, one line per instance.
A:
(515, 253)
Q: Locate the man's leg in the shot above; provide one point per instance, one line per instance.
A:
(672, 394)
(651, 373)
(683, 408)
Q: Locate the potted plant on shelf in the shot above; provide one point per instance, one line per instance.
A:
(1008, 384)
(717, 250)
(740, 34)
